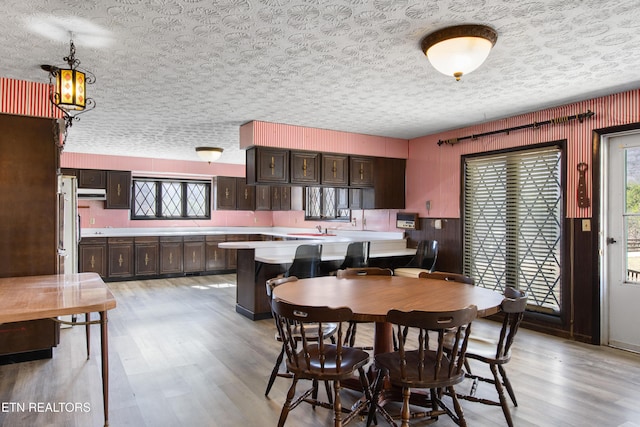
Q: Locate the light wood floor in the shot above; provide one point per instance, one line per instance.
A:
(181, 356)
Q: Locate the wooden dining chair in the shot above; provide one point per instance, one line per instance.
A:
(328, 331)
(317, 360)
(424, 364)
(350, 336)
(496, 352)
(438, 275)
(449, 277)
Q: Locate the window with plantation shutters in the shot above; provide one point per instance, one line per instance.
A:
(513, 223)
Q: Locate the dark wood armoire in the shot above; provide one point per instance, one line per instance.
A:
(29, 160)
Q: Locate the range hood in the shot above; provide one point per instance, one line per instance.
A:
(92, 194)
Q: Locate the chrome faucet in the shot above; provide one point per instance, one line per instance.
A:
(319, 227)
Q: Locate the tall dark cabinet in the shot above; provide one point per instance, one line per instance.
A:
(28, 222)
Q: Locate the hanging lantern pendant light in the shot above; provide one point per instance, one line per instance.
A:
(70, 93)
(71, 89)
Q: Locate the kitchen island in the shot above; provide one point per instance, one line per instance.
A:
(258, 261)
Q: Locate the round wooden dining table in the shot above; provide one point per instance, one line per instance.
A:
(371, 297)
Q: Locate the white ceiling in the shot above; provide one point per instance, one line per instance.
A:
(176, 74)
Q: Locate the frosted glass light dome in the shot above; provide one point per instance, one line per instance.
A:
(456, 51)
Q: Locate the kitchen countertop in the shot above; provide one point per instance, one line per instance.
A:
(334, 242)
(337, 235)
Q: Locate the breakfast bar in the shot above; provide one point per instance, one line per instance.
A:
(258, 261)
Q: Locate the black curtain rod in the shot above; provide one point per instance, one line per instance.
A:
(554, 121)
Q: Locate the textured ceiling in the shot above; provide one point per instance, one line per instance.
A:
(173, 75)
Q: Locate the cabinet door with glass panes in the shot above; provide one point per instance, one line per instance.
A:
(325, 203)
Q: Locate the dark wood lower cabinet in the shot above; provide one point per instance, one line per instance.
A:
(194, 254)
(120, 257)
(126, 258)
(170, 255)
(146, 256)
(93, 255)
(215, 255)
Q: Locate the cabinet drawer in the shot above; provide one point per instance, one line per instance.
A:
(193, 239)
(119, 240)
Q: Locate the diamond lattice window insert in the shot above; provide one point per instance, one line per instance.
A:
(512, 223)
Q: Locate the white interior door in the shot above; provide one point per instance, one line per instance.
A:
(621, 310)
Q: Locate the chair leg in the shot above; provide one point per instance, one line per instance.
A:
(508, 386)
(327, 386)
(337, 405)
(314, 393)
(405, 412)
(274, 372)
(503, 399)
(456, 406)
(287, 404)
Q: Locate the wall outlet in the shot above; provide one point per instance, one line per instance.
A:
(437, 224)
(586, 225)
(92, 221)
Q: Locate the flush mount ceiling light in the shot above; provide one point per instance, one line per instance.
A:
(209, 154)
(69, 94)
(456, 51)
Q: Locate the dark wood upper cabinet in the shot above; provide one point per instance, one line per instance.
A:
(305, 167)
(92, 178)
(267, 165)
(281, 198)
(388, 186)
(69, 172)
(263, 198)
(361, 171)
(342, 198)
(335, 170)
(245, 195)
(118, 190)
(226, 192)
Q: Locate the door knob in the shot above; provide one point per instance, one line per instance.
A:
(611, 240)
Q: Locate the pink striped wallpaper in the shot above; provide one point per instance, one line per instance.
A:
(440, 181)
(26, 99)
(303, 138)
(149, 166)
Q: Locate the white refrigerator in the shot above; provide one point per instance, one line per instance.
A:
(68, 225)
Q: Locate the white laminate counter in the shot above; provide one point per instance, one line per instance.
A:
(334, 242)
(333, 248)
(345, 234)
